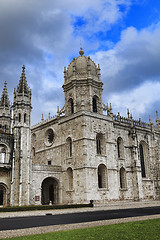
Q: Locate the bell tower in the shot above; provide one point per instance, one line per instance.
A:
(82, 86)
(22, 132)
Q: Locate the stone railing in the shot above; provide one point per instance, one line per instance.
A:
(137, 123)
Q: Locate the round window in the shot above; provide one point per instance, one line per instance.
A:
(49, 137)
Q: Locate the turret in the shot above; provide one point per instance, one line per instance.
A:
(22, 134)
(22, 103)
(5, 111)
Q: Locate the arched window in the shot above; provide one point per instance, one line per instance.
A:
(100, 144)
(122, 178)
(33, 138)
(71, 106)
(3, 155)
(19, 117)
(102, 176)
(120, 147)
(94, 104)
(25, 117)
(69, 147)
(143, 171)
(34, 152)
(70, 178)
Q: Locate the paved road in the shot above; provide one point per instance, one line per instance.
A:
(48, 220)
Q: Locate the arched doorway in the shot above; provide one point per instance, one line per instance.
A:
(3, 194)
(1, 197)
(49, 191)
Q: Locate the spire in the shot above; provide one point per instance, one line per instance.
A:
(4, 102)
(22, 87)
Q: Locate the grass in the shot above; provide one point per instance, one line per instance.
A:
(140, 230)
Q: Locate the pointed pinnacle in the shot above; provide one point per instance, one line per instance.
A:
(157, 118)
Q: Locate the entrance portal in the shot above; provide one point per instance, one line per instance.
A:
(49, 191)
(1, 198)
(3, 195)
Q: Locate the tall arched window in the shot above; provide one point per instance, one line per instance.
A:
(94, 104)
(33, 138)
(120, 147)
(69, 147)
(122, 178)
(19, 117)
(143, 171)
(70, 178)
(100, 144)
(25, 117)
(71, 106)
(33, 151)
(3, 155)
(102, 176)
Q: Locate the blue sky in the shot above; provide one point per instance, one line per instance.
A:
(123, 36)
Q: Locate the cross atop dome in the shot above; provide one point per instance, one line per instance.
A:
(81, 52)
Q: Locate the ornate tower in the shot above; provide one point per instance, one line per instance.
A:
(5, 111)
(22, 134)
(82, 86)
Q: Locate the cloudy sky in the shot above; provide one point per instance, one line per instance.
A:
(123, 36)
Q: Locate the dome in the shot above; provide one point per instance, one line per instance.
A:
(81, 67)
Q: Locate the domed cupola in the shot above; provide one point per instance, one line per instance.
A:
(82, 67)
(82, 85)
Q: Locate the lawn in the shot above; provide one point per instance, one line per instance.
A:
(140, 230)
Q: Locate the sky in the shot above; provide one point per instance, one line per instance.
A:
(123, 36)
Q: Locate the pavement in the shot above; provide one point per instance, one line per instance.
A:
(109, 206)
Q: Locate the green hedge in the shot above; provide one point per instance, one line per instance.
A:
(42, 207)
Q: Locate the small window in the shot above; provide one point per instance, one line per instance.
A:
(98, 142)
(49, 162)
(25, 116)
(34, 152)
(19, 117)
(71, 106)
(94, 103)
(69, 147)
(102, 176)
(122, 178)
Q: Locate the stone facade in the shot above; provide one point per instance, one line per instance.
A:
(83, 153)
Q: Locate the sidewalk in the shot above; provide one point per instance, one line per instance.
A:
(110, 206)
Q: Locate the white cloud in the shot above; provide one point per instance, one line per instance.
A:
(131, 70)
(41, 35)
(138, 100)
(134, 59)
